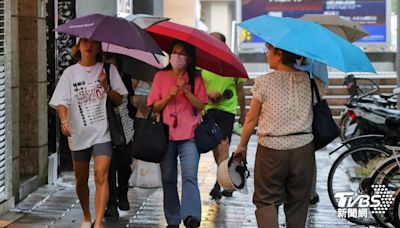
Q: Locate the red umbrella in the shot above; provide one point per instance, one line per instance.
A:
(211, 54)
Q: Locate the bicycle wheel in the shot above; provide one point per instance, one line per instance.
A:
(350, 173)
(387, 177)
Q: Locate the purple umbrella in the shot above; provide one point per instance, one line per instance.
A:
(111, 30)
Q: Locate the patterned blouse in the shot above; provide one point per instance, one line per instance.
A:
(286, 109)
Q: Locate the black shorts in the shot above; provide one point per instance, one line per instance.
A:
(225, 121)
(96, 149)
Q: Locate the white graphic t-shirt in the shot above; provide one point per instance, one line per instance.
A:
(79, 90)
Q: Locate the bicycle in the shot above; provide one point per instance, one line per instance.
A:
(355, 170)
(363, 102)
(351, 170)
(387, 174)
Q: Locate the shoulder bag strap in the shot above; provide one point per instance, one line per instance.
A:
(107, 70)
(314, 88)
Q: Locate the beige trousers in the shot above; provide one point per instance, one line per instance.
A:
(283, 177)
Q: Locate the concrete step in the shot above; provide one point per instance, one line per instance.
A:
(341, 89)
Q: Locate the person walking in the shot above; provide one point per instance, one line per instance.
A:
(120, 170)
(171, 94)
(224, 94)
(285, 160)
(80, 100)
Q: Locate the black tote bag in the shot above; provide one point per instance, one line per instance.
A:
(150, 140)
(324, 127)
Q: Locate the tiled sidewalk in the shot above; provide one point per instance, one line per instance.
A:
(57, 205)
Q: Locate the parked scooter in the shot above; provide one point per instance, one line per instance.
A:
(366, 112)
(368, 119)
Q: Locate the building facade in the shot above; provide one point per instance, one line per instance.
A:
(23, 75)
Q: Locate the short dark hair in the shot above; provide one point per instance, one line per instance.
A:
(288, 58)
(221, 36)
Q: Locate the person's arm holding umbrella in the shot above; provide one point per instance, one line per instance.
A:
(158, 106)
(115, 97)
(193, 99)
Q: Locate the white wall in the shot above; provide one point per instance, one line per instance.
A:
(182, 11)
(85, 7)
(218, 16)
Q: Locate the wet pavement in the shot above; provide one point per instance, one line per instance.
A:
(57, 205)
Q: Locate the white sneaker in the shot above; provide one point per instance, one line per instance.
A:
(87, 224)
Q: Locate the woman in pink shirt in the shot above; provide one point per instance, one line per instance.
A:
(171, 94)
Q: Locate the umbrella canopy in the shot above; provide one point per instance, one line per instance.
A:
(346, 29)
(138, 64)
(155, 60)
(342, 27)
(211, 54)
(111, 30)
(144, 20)
(310, 40)
(138, 70)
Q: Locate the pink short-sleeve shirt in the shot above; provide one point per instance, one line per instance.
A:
(179, 106)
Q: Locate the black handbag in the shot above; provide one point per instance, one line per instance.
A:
(150, 140)
(208, 134)
(114, 119)
(324, 127)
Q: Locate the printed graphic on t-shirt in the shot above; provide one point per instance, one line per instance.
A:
(89, 95)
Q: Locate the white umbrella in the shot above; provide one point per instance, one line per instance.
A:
(347, 29)
(145, 20)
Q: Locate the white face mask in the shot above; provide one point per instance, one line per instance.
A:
(178, 62)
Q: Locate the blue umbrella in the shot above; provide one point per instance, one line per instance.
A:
(316, 69)
(310, 40)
